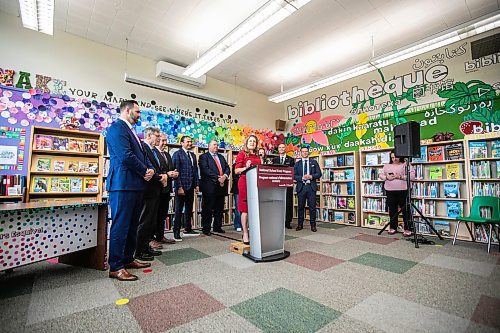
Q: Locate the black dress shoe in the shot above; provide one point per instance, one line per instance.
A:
(220, 231)
(153, 252)
(206, 233)
(144, 257)
(313, 228)
(288, 226)
(299, 227)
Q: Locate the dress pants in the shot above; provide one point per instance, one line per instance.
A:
(212, 207)
(309, 195)
(237, 215)
(147, 222)
(125, 212)
(159, 228)
(397, 199)
(183, 206)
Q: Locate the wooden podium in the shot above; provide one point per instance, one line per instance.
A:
(266, 195)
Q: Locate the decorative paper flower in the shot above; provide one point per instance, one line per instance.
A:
(312, 128)
(362, 119)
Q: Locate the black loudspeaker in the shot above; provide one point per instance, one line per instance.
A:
(407, 139)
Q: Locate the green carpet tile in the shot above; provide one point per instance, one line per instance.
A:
(175, 257)
(283, 310)
(386, 263)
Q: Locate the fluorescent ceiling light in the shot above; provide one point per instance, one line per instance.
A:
(38, 15)
(263, 19)
(466, 30)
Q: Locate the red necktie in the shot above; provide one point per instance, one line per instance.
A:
(218, 165)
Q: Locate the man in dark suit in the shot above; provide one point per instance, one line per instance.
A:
(151, 197)
(214, 172)
(283, 159)
(306, 173)
(186, 186)
(129, 170)
(166, 166)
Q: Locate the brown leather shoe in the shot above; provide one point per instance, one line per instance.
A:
(155, 245)
(165, 240)
(313, 228)
(123, 275)
(137, 265)
(299, 227)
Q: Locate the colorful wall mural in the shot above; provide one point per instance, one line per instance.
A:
(21, 109)
(447, 91)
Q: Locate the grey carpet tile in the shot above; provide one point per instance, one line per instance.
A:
(346, 324)
(14, 312)
(107, 318)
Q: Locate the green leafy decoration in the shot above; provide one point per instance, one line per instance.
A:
(462, 94)
(344, 134)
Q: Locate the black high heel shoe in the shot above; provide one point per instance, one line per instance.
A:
(246, 243)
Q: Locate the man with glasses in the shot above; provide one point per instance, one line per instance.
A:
(186, 185)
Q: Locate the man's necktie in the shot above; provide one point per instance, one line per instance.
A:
(282, 160)
(136, 136)
(157, 158)
(218, 164)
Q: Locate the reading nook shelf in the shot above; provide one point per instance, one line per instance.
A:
(64, 164)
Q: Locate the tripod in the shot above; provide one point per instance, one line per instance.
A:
(409, 204)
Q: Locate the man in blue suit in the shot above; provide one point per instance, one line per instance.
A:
(186, 185)
(214, 172)
(129, 170)
(306, 173)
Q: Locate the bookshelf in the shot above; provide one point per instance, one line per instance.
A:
(340, 200)
(483, 153)
(65, 164)
(372, 198)
(12, 188)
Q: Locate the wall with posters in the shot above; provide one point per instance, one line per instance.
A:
(445, 90)
(49, 80)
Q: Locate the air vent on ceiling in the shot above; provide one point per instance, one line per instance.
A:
(168, 71)
(485, 46)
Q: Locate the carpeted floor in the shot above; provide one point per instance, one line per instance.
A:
(340, 279)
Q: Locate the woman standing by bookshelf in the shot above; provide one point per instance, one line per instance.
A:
(246, 158)
(394, 175)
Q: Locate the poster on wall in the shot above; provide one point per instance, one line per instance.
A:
(8, 155)
(12, 144)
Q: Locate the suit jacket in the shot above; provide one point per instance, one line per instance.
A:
(154, 186)
(166, 165)
(210, 173)
(188, 173)
(128, 162)
(289, 161)
(314, 171)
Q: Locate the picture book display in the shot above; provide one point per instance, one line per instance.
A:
(91, 184)
(49, 142)
(453, 171)
(436, 173)
(40, 184)
(495, 148)
(454, 151)
(478, 149)
(442, 227)
(43, 164)
(454, 208)
(451, 189)
(59, 166)
(435, 153)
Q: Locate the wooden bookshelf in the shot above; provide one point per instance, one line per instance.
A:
(63, 164)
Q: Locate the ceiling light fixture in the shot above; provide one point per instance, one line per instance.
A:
(38, 15)
(263, 19)
(469, 29)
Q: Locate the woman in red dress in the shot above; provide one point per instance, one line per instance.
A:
(247, 157)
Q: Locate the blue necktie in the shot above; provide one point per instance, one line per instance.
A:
(156, 156)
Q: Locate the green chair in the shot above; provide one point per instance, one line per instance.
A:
(481, 204)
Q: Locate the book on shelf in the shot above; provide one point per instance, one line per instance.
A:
(422, 227)
(59, 166)
(90, 146)
(41, 184)
(341, 203)
(453, 171)
(481, 233)
(83, 166)
(325, 215)
(339, 175)
(43, 164)
(75, 184)
(451, 189)
(329, 162)
(481, 169)
(90, 184)
(75, 145)
(497, 166)
(59, 184)
(351, 218)
(442, 227)
(12, 184)
(454, 208)
(350, 188)
(340, 160)
(339, 217)
(43, 142)
(372, 159)
(435, 153)
(373, 220)
(72, 166)
(349, 174)
(495, 148)
(435, 172)
(349, 160)
(59, 143)
(423, 155)
(478, 149)
(350, 203)
(385, 157)
(454, 151)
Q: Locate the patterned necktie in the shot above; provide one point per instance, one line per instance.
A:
(157, 158)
